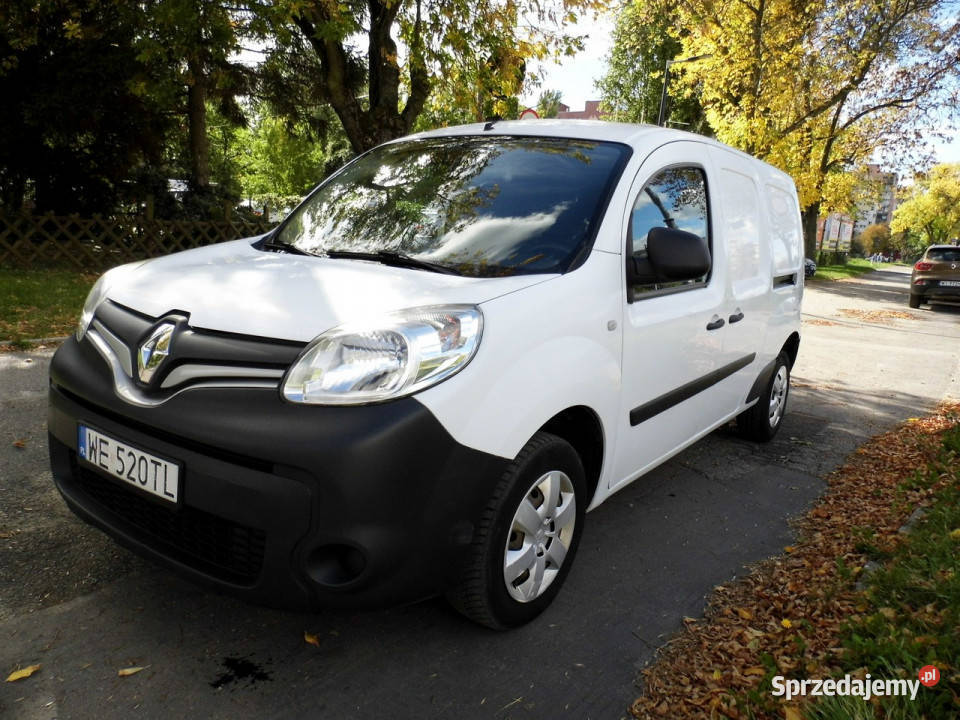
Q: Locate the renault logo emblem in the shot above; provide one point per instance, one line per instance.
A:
(154, 351)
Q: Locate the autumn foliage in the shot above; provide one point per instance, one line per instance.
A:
(789, 615)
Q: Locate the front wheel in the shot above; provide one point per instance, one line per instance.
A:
(763, 420)
(525, 542)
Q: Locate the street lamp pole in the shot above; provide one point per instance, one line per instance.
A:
(662, 115)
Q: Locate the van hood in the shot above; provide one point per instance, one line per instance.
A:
(233, 287)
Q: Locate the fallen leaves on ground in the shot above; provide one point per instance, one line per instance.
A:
(311, 639)
(876, 316)
(818, 322)
(785, 617)
(127, 672)
(22, 673)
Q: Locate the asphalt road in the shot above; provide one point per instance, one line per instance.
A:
(85, 608)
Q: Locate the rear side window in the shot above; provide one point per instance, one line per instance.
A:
(786, 235)
(748, 250)
(674, 198)
(944, 254)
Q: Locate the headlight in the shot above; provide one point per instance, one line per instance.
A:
(401, 354)
(97, 294)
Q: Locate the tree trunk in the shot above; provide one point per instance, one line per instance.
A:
(13, 193)
(382, 120)
(197, 118)
(810, 216)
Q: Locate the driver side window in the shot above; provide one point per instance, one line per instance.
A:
(675, 198)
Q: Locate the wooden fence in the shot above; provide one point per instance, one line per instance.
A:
(97, 243)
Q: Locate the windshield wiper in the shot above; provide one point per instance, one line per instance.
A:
(271, 244)
(388, 257)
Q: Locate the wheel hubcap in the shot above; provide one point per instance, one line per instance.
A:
(540, 535)
(778, 396)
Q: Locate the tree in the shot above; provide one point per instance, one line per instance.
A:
(548, 106)
(817, 87)
(875, 238)
(74, 128)
(931, 212)
(280, 162)
(631, 87)
(378, 91)
(192, 42)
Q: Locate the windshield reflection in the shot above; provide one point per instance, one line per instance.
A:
(483, 206)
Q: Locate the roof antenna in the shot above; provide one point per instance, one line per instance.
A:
(491, 122)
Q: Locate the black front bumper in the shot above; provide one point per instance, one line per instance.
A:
(288, 505)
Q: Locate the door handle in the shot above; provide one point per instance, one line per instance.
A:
(736, 317)
(716, 322)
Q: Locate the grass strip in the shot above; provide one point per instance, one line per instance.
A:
(909, 616)
(801, 615)
(40, 303)
(852, 268)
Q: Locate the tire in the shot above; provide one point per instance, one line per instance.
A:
(763, 420)
(915, 301)
(520, 537)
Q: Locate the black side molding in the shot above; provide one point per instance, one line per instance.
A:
(781, 280)
(687, 391)
(763, 379)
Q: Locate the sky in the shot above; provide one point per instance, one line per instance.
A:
(575, 78)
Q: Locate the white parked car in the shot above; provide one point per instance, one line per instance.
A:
(420, 381)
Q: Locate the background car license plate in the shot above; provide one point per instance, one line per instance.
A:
(950, 283)
(147, 472)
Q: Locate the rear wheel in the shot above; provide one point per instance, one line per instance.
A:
(915, 300)
(763, 420)
(527, 538)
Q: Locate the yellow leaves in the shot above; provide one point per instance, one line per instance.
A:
(127, 672)
(73, 29)
(717, 675)
(798, 614)
(23, 673)
(792, 713)
(311, 639)
(955, 534)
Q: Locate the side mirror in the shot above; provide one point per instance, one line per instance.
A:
(671, 255)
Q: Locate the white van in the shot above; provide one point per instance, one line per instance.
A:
(421, 379)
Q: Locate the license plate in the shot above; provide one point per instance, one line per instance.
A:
(142, 470)
(950, 283)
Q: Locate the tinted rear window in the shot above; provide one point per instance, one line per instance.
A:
(944, 254)
(483, 206)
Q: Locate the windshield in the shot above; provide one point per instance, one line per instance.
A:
(481, 206)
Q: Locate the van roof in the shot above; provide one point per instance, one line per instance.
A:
(637, 136)
(580, 129)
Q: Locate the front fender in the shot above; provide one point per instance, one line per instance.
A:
(545, 348)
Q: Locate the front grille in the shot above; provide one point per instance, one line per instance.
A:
(206, 542)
